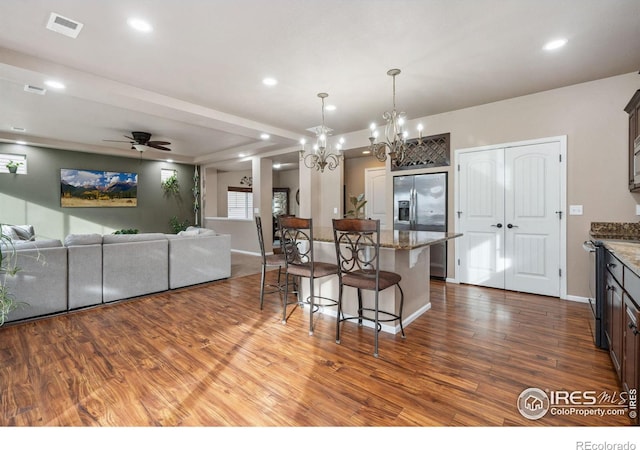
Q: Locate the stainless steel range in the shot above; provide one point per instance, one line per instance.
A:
(597, 290)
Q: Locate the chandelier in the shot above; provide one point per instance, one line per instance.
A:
(395, 143)
(320, 157)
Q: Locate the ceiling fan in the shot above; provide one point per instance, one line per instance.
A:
(140, 140)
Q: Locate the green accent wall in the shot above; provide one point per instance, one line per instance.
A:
(34, 198)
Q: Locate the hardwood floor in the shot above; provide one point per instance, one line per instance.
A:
(207, 356)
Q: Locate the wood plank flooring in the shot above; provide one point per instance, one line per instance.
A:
(207, 356)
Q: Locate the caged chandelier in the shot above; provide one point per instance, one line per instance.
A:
(320, 157)
(395, 144)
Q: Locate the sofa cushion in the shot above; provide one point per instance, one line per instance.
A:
(35, 245)
(19, 232)
(122, 238)
(198, 230)
(83, 239)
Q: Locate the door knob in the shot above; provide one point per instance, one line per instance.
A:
(512, 226)
(499, 225)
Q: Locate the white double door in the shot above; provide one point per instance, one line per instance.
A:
(509, 214)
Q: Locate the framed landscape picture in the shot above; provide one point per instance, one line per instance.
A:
(96, 188)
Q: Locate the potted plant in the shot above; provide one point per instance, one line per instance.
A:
(8, 267)
(170, 185)
(357, 210)
(12, 166)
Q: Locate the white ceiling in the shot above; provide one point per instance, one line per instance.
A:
(196, 80)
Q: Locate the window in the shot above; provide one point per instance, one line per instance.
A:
(239, 203)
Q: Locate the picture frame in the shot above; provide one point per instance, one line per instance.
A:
(82, 188)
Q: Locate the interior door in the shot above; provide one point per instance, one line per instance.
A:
(508, 202)
(532, 231)
(375, 194)
(481, 217)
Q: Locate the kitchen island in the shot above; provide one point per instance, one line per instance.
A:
(404, 252)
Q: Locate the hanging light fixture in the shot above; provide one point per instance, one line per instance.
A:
(321, 157)
(395, 144)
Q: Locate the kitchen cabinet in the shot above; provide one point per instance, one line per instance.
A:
(613, 316)
(633, 109)
(622, 318)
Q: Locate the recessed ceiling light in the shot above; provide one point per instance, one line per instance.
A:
(366, 152)
(140, 25)
(330, 108)
(269, 81)
(53, 84)
(21, 142)
(555, 44)
(169, 160)
(276, 166)
(20, 129)
(264, 136)
(241, 155)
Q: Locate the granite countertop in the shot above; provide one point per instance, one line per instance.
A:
(627, 252)
(399, 240)
(622, 239)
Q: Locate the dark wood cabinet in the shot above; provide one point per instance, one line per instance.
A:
(633, 109)
(622, 318)
(631, 349)
(614, 322)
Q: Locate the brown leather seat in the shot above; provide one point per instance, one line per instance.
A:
(297, 244)
(358, 255)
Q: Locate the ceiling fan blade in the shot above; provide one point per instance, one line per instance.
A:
(130, 138)
(152, 143)
(113, 140)
(158, 147)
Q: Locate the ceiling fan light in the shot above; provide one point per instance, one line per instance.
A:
(139, 147)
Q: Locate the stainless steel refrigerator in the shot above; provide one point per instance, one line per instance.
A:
(420, 203)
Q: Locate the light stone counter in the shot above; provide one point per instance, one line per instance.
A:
(627, 252)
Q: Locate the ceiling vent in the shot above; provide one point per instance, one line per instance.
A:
(34, 89)
(64, 25)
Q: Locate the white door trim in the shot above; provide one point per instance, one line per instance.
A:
(562, 140)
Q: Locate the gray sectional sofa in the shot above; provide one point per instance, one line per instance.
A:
(90, 269)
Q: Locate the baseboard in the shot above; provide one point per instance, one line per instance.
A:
(576, 298)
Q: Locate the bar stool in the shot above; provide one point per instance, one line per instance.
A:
(358, 255)
(272, 260)
(297, 242)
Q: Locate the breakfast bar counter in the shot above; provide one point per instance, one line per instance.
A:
(405, 252)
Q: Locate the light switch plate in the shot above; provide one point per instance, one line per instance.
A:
(575, 210)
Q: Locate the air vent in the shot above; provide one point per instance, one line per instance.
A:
(34, 89)
(64, 25)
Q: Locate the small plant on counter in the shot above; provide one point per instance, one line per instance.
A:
(357, 209)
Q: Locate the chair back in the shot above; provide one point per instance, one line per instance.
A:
(297, 240)
(357, 247)
(261, 239)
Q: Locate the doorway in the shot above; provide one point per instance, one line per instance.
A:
(510, 208)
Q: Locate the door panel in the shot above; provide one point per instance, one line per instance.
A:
(508, 201)
(481, 205)
(375, 194)
(532, 187)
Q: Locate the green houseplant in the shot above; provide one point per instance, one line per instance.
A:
(12, 166)
(8, 267)
(171, 186)
(357, 206)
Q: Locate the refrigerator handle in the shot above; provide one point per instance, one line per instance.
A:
(414, 212)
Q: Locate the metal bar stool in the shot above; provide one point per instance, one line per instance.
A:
(357, 244)
(270, 260)
(297, 246)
